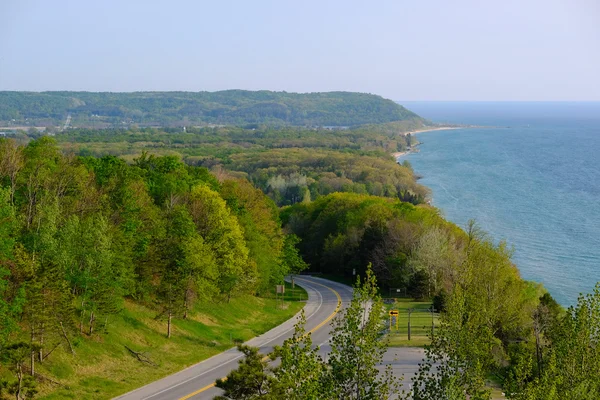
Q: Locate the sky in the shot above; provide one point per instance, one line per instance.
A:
(543, 50)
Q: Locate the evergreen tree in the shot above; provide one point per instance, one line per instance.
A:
(251, 380)
(16, 356)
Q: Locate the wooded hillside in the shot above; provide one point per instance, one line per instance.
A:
(80, 236)
(230, 107)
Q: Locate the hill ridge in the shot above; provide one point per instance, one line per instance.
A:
(177, 108)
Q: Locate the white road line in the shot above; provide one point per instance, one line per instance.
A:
(237, 357)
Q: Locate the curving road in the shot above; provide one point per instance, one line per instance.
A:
(325, 299)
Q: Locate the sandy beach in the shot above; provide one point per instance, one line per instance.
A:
(441, 128)
(400, 154)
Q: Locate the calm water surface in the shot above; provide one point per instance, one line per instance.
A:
(533, 180)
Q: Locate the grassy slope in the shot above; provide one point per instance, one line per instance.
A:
(103, 368)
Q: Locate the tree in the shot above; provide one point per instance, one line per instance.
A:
(89, 256)
(172, 287)
(223, 234)
(11, 162)
(357, 347)
(457, 362)
(188, 270)
(486, 310)
(300, 374)
(41, 157)
(9, 310)
(571, 367)
(16, 356)
(250, 380)
(10, 306)
(198, 271)
(433, 256)
(292, 262)
(259, 218)
(350, 372)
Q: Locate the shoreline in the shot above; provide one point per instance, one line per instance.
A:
(400, 154)
(441, 128)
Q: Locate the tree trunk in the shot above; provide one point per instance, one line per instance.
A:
(185, 306)
(82, 316)
(50, 352)
(169, 325)
(538, 354)
(41, 352)
(20, 380)
(32, 351)
(92, 319)
(66, 338)
(13, 188)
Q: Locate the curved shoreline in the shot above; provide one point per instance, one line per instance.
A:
(399, 154)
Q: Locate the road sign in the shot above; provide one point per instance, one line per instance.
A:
(394, 314)
(280, 289)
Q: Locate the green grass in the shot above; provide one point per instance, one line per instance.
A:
(420, 324)
(103, 368)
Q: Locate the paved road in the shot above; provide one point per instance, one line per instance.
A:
(197, 382)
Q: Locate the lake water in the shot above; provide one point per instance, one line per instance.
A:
(532, 179)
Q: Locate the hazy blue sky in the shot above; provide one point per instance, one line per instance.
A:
(404, 50)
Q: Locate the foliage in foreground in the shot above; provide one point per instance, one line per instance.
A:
(349, 372)
(493, 322)
(555, 356)
(567, 364)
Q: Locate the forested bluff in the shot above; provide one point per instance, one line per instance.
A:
(96, 224)
(160, 109)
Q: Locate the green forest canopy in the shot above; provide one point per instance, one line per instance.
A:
(85, 240)
(229, 107)
(98, 229)
(166, 234)
(290, 164)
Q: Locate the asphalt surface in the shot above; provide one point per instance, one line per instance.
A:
(325, 299)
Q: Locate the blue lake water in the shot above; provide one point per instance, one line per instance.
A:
(532, 179)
